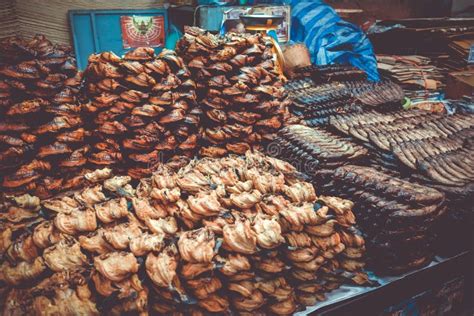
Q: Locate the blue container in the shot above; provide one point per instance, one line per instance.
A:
(95, 31)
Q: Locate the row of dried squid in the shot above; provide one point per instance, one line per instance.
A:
(238, 234)
(142, 109)
(239, 89)
(41, 130)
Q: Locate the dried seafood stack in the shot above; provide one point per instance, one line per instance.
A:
(420, 79)
(325, 250)
(365, 126)
(244, 219)
(436, 149)
(396, 217)
(219, 235)
(41, 135)
(54, 264)
(330, 73)
(432, 149)
(142, 109)
(315, 104)
(295, 86)
(239, 89)
(310, 149)
(313, 76)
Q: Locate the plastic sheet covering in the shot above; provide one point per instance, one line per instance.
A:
(331, 39)
(350, 291)
(465, 105)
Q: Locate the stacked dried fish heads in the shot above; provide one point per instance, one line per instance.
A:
(142, 109)
(239, 89)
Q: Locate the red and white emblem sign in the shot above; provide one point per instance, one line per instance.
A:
(142, 31)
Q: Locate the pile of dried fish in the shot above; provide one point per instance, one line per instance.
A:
(239, 89)
(439, 147)
(310, 149)
(315, 103)
(41, 134)
(431, 149)
(219, 235)
(330, 73)
(420, 79)
(397, 217)
(141, 109)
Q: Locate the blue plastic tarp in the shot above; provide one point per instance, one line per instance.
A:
(329, 38)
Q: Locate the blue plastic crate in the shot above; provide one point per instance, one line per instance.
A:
(95, 31)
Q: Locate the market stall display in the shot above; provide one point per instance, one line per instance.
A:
(42, 143)
(239, 89)
(140, 186)
(142, 110)
(236, 233)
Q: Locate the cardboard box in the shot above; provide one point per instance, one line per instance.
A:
(460, 84)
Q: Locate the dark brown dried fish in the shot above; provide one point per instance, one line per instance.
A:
(174, 116)
(28, 106)
(141, 80)
(133, 96)
(59, 123)
(140, 54)
(247, 118)
(19, 178)
(11, 141)
(158, 66)
(140, 142)
(105, 158)
(112, 128)
(238, 148)
(54, 149)
(220, 67)
(219, 82)
(135, 67)
(216, 115)
(76, 136)
(149, 110)
(108, 84)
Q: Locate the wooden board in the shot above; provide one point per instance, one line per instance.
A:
(8, 18)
